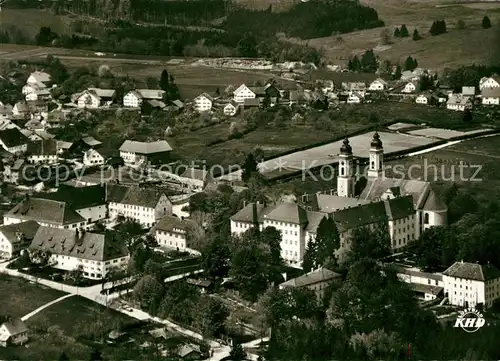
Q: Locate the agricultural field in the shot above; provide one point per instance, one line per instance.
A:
(29, 21)
(22, 296)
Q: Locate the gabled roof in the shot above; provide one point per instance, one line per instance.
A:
(258, 90)
(455, 99)
(172, 224)
(251, 102)
(311, 278)
(26, 229)
(380, 80)
(178, 103)
(472, 271)
(233, 103)
(42, 147)
(313, 220)
(289, 213)
(248, 214)
(330, 203)
(84, 245)
(240, 89)
(12, 137)
(91, 141)
(133, 146)
(45, 211)
(102, 93)
(156, 103)
(399, 207)
(434, 203)
(490, 93)
(468, 90)
(363, 215)
(15, 327)
(133, 195)
(41, 77)
(150, 94)
(204, 95)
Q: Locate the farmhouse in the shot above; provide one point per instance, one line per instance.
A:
(145, 205)
(489, 82)
(422, 99)
(203, 102)
(136, 153)
(490, 96)
(469, 91)
(42, 151)
(427, 286)
(354, 98)
(93, 254)
(13, 171)
(100, 156)
(13, 332)
(458, 102)
(135, 98)
(409, 87)
(13, 141)
(378, 85)
(94, 98)
(39, 78)
(316, 281)
(243, 92)
(231, 108)
(171, 231)
(471, 284)
(15, 237)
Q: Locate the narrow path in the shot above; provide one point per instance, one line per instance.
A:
(41, 308)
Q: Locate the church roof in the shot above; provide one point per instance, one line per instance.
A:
(376, 142)
(346, 147)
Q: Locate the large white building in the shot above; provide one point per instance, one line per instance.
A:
(42, 152)
(203, 102)
(15, 237)
(378, 85)
(135, 98)
(459, 103)
(93, 98)
(145, 205)
(170, 232)
(243, 92)
(470, 284)
(94, 254)
(490, 96)
(136, 153)
(489, 82)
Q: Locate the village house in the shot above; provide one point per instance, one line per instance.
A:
(13, 171)
(469, 91)
(378, 85)
(137, 153)
(316, 281)
(459, 103)
(471, 284)
(93, 254)
(354, 98)
(135, 98)
(15, 237)
(243, 92)
(170, 232)
(32, 136)
(39, 77)
(93, 98)
(427, 286)
(145, 205)
(230, 109)
(489, 82)
(490, 96)
(203, 102)
(6, 111)
(438, 98)
(13, 141)
(13, 332)
(423, 99)
(251, 103)
(42, 151)
(409, 88)
(100, 156)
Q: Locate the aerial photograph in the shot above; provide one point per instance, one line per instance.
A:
(249, 180)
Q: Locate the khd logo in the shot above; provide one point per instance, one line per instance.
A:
(470, 320)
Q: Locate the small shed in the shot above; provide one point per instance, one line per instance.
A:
(205, 286)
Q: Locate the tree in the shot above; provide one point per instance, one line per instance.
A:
(404, 31)
(397, 72)
(438, 27)
(354, 64)
(425, 82)
(369, 63)
(95, 355)
(247, 46)
(271, 238)
(215, 259)
(385, 36)
(237, 353)
(369, 243)
(397, 33)
(212, 317)
(148, 291)
(309, 262)
(467, 116)
(164, 81)
(410, 64)
(63, 356)
(486, 23)
(416, 35)
(327, 242)
(249, 167)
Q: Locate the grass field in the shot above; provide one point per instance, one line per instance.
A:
(22, 297)
(29, 21)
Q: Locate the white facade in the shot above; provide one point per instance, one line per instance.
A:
(376, 166)
(292, 240)
(488, 83)
(10, 219)
(230, 110)
(90, 268)
(42, 159)
(17, 150)
(353, 99)
(463, 292)
(345, 179)
(29, 88)
(202, 103)
(459, 106)
(238, 227)
(242, 93)
(377, 85)
(409, 88)
(147, 216)
(92, 158)
(422, 99)
(88, 100)
(132, 100)
(490, 101)
(402, 231)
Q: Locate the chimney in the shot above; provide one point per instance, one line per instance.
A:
(255, 218)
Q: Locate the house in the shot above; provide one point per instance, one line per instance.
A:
(145, 205)
(205, 286)
(203, 102)
(32, 137)
(490, 96)
(194, 179)
(63, 146)
(14, 172)
(243, 92)
(458, 102)
(471, 284)
(94, 98)
(177, 104)
(354, 86)
(438, 98)
(135, 98)
(422, 99)
(39, 94)
(39, 77)
(32, 88)
(409, 87)
(20, 109)
(230, 109)
(170, 232)
(94, 157)
(354, 98)
(13, 141)
(43, 151)
(378, 85)
(46, 212)
(13, 332)
(94, 254)
(190, 351)
(251, 215)
(427, 286)
(136, 153)
(15, 237)
(316, 281)
(489, 82)
(469, 91)
(6, 111)
(90, 142)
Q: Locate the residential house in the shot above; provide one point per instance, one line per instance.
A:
(354, 98)
(423, 99)
(459, 103)
(90, 142)
(243, 92)
(438, 98)
(170, 232)
(489, 82)
(13, 332)
(316, 281)
(145, 205)
(93, 98)
(378, 85)
(6, 111)
(32, 136)
(15, 237)
(471, 284)
(45, 212)
(137, 153)
(354, 86)
(20, 109)
(427, 286)
(203, 102)
(38, 94)
(469, 91)
(135, 98)
(490, 96)
(177, 104)
(15, 171)
(43, 151)
(13, 141)
(190, 351)
(39, 77)
(100, 156)
(94, 254)
(205, 286)
(230, 109)
(32, 88)
(409, 88)
(251, 103)
(194, 179)
(24, 109)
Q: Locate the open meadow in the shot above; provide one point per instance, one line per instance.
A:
(29, 21)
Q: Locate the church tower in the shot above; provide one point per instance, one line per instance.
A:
(376, 166)
(346, 179)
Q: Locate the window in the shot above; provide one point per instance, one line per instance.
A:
(373, 165)
(426, 218)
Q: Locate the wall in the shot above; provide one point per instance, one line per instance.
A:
(93, 214)
(92, 269)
